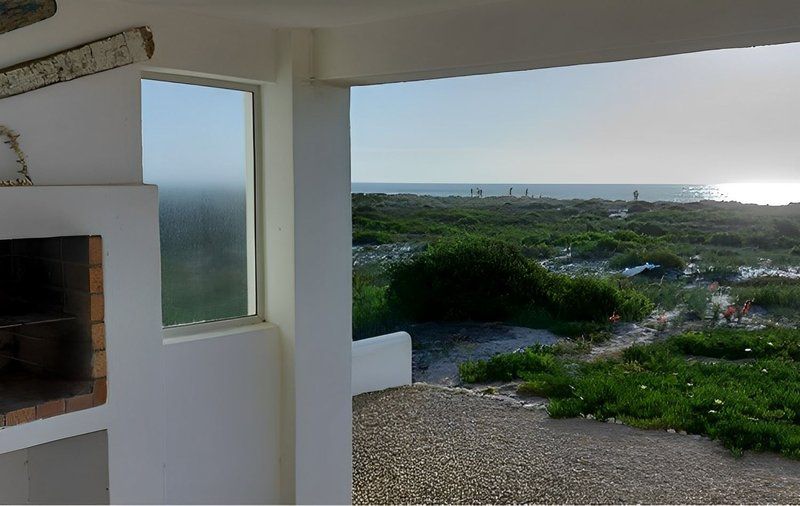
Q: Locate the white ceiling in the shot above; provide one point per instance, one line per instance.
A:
(313, 13)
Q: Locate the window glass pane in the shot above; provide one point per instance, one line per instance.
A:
(198, 148)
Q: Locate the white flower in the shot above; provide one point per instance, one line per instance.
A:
(690, 384)
(643, 387)
(747, 349)
(718, 402)
(770, 344)
(763, 370)
(711, 411)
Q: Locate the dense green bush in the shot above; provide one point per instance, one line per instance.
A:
(586, 298)
(467, 279)
(477, 279)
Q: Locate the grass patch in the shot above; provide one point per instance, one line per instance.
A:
(748, 405)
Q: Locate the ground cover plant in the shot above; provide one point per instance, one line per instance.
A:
(736, 386)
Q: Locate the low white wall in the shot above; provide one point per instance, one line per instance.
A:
(381, 362)
(222, 415)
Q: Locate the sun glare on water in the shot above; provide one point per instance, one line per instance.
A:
(771, 194)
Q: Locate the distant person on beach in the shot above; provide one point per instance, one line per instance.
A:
(526, 192)
(471, 192)
(635, 195)
(510, 190)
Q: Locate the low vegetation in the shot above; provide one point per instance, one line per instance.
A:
(466, 279)
(739, 387)
(719, 236)
(486, 280)
(771, 293)
(711, 241)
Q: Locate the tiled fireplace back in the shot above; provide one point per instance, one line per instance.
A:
(52, 333)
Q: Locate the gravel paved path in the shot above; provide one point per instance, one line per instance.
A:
(424, 444)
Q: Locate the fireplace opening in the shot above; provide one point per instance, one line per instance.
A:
(52, 331)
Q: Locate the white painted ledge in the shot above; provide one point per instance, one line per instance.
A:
(381, 362)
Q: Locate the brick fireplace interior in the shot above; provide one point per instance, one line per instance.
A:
(52, 335)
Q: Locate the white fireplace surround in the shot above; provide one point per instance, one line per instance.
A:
(127, 219)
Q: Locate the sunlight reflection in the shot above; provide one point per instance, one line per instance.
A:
(772, 194)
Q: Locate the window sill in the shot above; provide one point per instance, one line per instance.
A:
(190, 333)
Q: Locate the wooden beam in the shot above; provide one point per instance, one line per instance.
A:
(18, 13)
(131, 46)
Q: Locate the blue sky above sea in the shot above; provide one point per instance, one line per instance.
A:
(723, 116)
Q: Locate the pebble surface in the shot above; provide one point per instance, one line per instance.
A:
(423, 444)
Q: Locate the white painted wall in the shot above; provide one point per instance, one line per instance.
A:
(126, 217)
(308, 224)
(221, 441)
(381, 362)
(88, 131)
(523, 34)
(67, 471)
(221, 448)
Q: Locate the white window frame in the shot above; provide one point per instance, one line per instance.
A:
(256, 251)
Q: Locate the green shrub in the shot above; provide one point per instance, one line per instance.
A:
(664, 258)
(778, 294)
(625, 260)
(468, 279)
(697, 300)
(650, 229)
(725, 239)
(585, 298)
(371, 313)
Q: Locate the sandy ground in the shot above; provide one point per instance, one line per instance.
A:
(425, 444)
(440, 347)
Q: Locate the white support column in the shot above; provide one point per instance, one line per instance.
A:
(307, 188)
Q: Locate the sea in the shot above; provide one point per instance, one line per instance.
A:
(775, 194)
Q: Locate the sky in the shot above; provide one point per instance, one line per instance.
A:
(193, 134)
(702, 118)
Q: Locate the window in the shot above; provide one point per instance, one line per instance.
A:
(198, 147)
